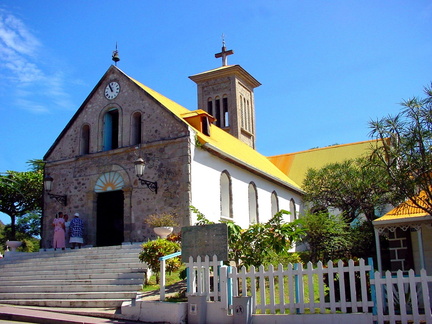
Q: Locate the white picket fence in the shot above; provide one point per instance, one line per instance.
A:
(408, 300)
(330, 289)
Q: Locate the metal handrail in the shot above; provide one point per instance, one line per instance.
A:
(162, 260)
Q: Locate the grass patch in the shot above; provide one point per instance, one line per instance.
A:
(170, 279)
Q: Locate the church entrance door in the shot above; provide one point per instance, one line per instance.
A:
(110, 224)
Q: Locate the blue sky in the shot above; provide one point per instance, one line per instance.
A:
(326, 67)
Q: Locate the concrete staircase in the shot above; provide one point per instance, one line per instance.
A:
(101, 277)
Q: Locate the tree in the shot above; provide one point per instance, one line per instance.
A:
(405, 154)
(355, 187)
(20, 194)
(329, 237)
(153, 250)
(256, 244)
(326, 235)
(30, 224)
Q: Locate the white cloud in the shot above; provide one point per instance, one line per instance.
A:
(20, 67)
(15, 35)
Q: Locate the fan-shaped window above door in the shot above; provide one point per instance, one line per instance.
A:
(109, 181)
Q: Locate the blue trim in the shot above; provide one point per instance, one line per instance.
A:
(372, 287)
(297, 287)
(230, 287)
(169, 256)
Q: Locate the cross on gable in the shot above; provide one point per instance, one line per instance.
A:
(224, 55)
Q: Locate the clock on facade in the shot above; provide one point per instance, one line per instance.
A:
(112, 90)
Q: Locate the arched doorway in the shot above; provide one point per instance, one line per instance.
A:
(110, 209)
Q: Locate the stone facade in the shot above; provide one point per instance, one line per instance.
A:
(237, 86)
(164, 146)
(400, 248)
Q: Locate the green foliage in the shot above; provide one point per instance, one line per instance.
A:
(30, 243)
(36, 164)
(30, 224)
(260, 242)
(326, 235)
(20, 194)
(350, 186)
(291, 257)
(406, 151)
(362, 240)
(201, 219)
(3, 238)
(153, 250)
(329, 237)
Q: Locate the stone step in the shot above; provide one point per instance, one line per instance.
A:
(59, 288)
(67, 303)
(125, 295)
(70, 266)
(66, 255)
(67, 273)
(87, 277)
(46, 257)
(7, 284)
(92, 251)
(77, 276)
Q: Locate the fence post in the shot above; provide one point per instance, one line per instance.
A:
(297, 287)
(229, 287)
(216, 279)
(373, 288)
(188, 287)
(162, 280)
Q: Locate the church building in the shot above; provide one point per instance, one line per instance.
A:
(129, 152)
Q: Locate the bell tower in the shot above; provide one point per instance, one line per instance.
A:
(227, 93)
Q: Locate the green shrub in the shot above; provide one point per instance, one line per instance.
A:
(153, 250)
(284, 259)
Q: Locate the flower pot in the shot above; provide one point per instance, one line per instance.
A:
(163, 231)
(13, 245)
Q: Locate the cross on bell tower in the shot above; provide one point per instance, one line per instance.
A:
(227, 94)
(224, 53)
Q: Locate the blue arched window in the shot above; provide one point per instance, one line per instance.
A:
(111, 130)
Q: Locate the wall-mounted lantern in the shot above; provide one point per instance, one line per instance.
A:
(139, 171)
(48, 186)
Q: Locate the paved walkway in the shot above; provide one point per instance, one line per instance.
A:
(44, 315)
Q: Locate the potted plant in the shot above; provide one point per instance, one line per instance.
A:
(163, 224)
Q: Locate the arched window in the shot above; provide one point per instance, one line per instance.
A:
(242, 112)
(218, 114)
(226, 195)
(293, 210)
(210, 106)
(247, 117)
(136, 128)
(85, 140)
(111, 130)
(225, 122)
(274, 203)
(250, 113)
(253, 204)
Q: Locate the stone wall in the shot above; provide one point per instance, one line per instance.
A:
(165, 147)
(400, 247)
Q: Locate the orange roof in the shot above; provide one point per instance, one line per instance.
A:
(406, 212)
(295, 165)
